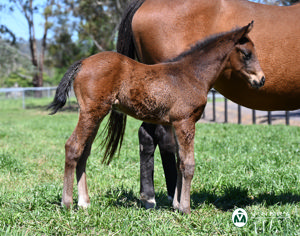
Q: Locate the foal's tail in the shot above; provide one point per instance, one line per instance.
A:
(115, 127)
(64, 87)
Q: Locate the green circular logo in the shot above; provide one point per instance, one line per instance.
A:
(239, 217)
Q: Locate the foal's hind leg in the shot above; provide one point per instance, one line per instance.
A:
(78, 148)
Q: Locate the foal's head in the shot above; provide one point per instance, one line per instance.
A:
(243, 60)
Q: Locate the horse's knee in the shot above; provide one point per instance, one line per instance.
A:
(187, 168)
(73, 152)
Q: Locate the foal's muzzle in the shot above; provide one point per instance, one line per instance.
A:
(258, 84)
(258, 80)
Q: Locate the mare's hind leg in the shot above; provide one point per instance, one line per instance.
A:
(147, 148)
(78, 149)
(149, 136)
(167, 148)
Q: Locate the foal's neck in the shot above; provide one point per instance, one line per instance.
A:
(207, 65)
(204, 64)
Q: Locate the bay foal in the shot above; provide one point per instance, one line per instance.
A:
(173, 93)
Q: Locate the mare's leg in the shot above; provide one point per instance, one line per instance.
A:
(78, 149)
(185, 133)
(149, 136)
(167, 148)
(147, 148)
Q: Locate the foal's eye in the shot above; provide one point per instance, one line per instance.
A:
(246, 55)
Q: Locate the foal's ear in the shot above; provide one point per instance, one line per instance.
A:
(249, 27)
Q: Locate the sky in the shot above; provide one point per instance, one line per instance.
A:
(17, 23)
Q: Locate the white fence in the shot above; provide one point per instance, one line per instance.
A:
(23, 93)
(210, 113)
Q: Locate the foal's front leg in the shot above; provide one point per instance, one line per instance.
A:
(185, 133)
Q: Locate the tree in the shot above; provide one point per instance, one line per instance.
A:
(29, 8)
(99, 21)
(15, 66)
(6, 31)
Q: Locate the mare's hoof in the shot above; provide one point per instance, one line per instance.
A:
(148, 203)
(170, 199)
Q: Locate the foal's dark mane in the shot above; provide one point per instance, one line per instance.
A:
(204, 44)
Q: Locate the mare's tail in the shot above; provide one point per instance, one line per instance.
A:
(116, 125)
(64, 87)
(125, 43)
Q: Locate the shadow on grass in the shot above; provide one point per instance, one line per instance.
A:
(69, 107)
(128, 198)
(232, 197)
(239, 197)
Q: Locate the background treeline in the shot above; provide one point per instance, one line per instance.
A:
(72, 29)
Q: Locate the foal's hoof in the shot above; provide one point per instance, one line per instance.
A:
(84, 205)
(66, 206)
(185, 211)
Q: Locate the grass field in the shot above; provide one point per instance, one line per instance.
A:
(253, 167)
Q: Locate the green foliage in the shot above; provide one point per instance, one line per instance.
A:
(21, 77)
(99, 21)
(56, 77)
(255, 167)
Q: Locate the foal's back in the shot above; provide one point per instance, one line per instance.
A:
(158, 93)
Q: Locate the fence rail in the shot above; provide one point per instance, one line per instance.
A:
(213, 95)
(211, 109)
(24, 93)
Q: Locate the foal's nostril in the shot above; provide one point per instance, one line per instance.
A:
(262, 81)
(255, 84)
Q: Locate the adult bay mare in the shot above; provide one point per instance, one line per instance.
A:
(183, 22)
(173, 93)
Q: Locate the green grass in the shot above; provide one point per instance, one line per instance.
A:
(254, 167)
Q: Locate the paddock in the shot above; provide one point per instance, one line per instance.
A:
(255, 167)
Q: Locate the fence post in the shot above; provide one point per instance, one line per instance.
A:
(239, 114)
(269, 118)
(287, 117)
(23, 98)
(214, 105)
(225, 110)
(253, 117)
